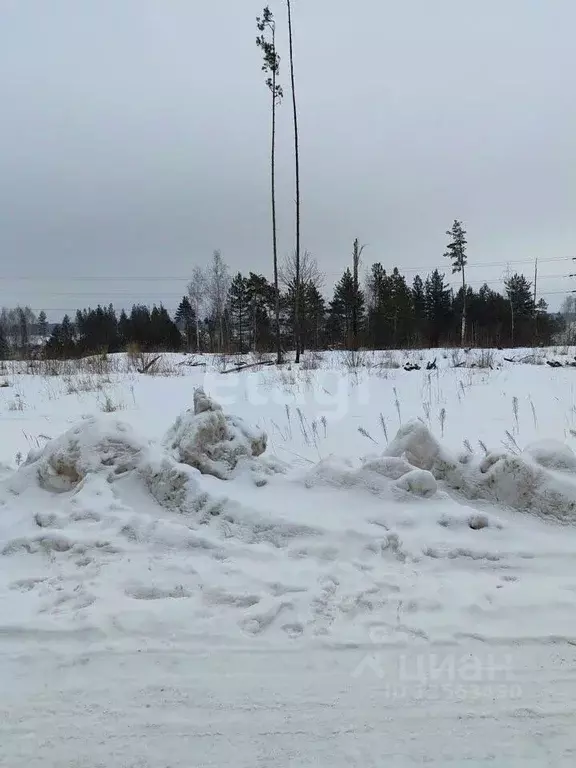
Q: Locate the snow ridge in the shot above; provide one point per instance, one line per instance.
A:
(202, 534)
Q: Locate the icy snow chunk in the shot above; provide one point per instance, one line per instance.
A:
(212, 441)
(97, 445)
(203, 403)
(419, 482)
(174, 486)
(552, 454)
(478, 522)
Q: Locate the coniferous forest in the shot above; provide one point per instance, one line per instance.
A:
(235, 313)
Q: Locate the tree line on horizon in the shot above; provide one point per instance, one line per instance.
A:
(224, 313)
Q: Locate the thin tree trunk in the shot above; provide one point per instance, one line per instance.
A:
(297, 161)
(354, 306)
(274, 232)
(197, 326)
(240, 345)
(463, 328)
(535, 308)
(511, 322)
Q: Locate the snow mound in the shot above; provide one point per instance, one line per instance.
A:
(341, 473)
(419, 482)
(211, 441)
(389, 478)
(111, 533)
(388, 466)
(527, 482)
(537, 481)
(552, 454)
(415, 444)
(97, 445)
(174, 486)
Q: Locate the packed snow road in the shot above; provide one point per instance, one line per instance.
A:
(181, 708)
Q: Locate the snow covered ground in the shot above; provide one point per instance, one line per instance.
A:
(341, 563)
(175, 709)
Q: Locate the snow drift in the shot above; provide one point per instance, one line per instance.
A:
(102, 529)
(540, 480)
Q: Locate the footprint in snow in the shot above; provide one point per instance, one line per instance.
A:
(141, 592)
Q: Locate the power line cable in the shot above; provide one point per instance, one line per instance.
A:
(156, 278)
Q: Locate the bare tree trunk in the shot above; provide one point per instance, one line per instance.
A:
(535, 308)
(463, 327)
(355, 266)
(274, 232)
(297, 161)
(354, 308)
(511, 322)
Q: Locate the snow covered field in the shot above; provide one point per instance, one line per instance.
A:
(342, 563)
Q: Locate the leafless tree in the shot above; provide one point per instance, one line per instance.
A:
(16, 323)
(197, 296)
(356, 254)
(568, 308)
(306, 272)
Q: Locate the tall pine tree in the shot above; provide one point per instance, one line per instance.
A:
(379, 301)
(239, 313)
(402, 310)
(438, 302)
(456, 252)
(348, 302)
(4, 349)
(261, 308)
(271, 66)
(185, 319)
(419, 305)
(42, 324)
(521, 302)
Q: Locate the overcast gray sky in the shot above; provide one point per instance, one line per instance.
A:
(134, 140)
